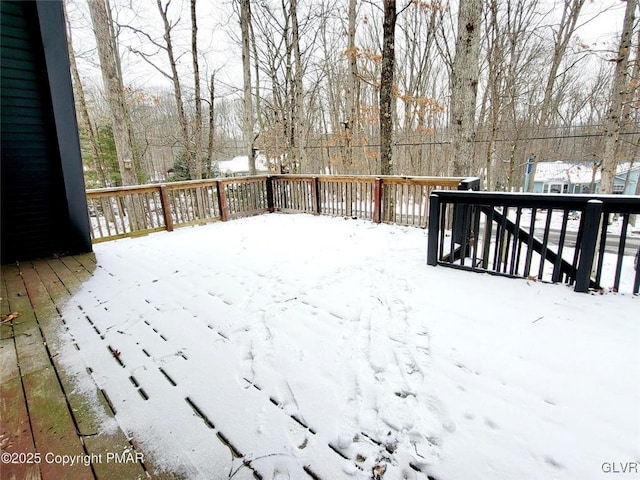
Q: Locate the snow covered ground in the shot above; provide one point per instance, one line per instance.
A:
(325, 347)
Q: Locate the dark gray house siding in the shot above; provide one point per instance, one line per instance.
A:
(43, 205)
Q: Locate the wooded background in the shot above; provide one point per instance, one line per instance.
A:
(164, 88)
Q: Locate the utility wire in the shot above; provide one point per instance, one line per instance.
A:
(447, 142)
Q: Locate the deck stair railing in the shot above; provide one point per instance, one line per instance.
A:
(556, 238)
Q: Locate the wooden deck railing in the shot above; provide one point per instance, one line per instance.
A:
(130, 211)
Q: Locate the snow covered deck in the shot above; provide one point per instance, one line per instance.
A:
(296, 347)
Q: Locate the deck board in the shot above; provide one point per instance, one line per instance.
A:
(15, 431)
(51, 422)
(55, 416)
(59, 283)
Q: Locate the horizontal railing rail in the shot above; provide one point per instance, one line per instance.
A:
(137, 210)
(556, 238)
(388, 199)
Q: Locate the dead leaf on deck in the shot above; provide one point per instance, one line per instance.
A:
(10, 317)
(378, 471)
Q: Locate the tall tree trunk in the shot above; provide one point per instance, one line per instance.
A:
(114, 89)
(177, 88)
(212, 125)
(245, 19)
(256, 83)
(464, 86)
(81, 105)
(114, 92)
(298, 120)
(386, 87)
(620, 94)
(197, 127)
(352, 87)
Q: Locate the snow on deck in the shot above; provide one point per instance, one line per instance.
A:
(325, 347)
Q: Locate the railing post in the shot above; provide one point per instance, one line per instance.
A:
(222, 201)
(270, 205)
(377, 201)
(315, 196)
(471, 183)
(592, 216)
(166, 208)
(434, 226)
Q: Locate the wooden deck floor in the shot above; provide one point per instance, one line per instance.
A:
(44, 421)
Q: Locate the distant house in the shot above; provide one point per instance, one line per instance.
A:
(626, 179)
(239, 166)
(580, 177)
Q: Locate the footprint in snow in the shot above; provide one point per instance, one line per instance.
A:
(280, 474)
(491, 424)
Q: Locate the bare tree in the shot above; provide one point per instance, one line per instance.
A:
(353, 84)
(212, 124)
(620, 94)
(464, 86)
(177, 88)
(81, 106)
(197, 123)
(387, 103)
(297, 121)
(418, 75)
(245, 20)
(114, 88)
(562, 35)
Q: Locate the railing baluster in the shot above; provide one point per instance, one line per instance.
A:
(532, 230)
(507, 242)
(488, 234)
(476, 236)
(97, 217)
(500, 255)
(623, 242)
(513, 267)
(464, 246)
(545, 243)
(222, 201)
(556, 275)
(120, 216)
(601, 248)
(107, 216)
